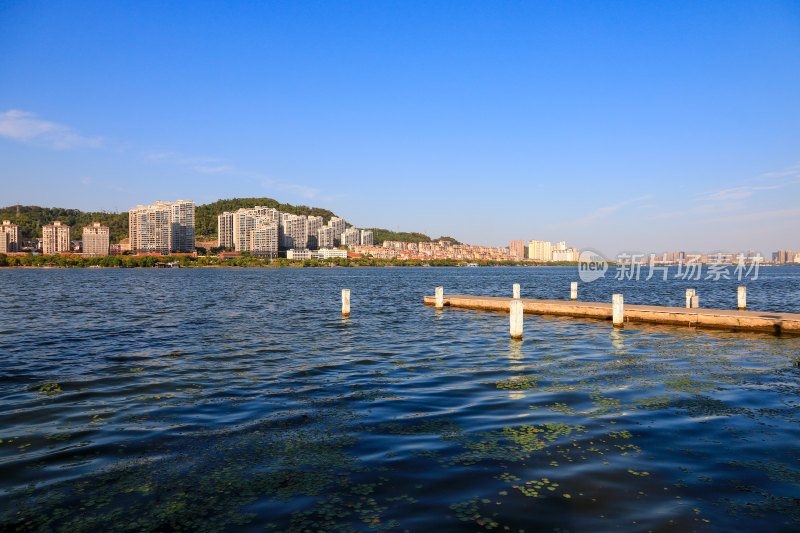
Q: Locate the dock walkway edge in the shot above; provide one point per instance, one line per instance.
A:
(778, 323)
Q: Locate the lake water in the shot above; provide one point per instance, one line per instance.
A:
(240, 400)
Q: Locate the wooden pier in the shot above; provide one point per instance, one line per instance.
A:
(788, 323)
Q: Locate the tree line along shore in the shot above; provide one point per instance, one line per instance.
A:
(188, 261)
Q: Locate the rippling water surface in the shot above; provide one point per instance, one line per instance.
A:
(237, 399)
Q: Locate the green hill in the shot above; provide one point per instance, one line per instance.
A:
(205, 216)
(380, 234)
(31, 218)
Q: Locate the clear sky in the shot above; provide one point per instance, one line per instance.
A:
(642, 126)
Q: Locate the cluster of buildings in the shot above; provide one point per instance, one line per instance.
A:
(56, 239)
(433, 250)
(162, 228)
(542, 251)
(169, 228)
(263, 231)
(782, 257)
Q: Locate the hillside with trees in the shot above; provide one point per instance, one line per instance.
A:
(31, 218)
(205, 223)
(380, 234)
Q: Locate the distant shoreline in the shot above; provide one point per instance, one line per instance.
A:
(158, 262)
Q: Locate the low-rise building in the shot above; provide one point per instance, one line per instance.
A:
(298, 254)
(328, 253)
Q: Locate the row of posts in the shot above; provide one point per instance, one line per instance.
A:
(516, 307)
(693, 300)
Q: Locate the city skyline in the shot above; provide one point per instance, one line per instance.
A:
(613, 128)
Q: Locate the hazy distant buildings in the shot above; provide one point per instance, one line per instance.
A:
(162, 227)
(55, 238)
(9, 237)
(540, 250)
(96, 240)
(784, 256)
(517, 249)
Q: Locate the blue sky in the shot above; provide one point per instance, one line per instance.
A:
(612, 125)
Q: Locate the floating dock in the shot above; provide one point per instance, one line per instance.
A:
(788, 323)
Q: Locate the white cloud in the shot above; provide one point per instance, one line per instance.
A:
(25, 127)
(734, 193)
(603, 212)
(763, 215)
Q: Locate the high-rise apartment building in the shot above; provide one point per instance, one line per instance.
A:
(338, 226)
(326, 238)
(225, 230)
(96, 240)
(540, 250)
(295, 231)
(350, 237)
(182, 226)
(9, 237)
(264, 239)
(244, 221)
(55, 238)
(517, 248)
(366, 237)
(314, 225)
(162, 227)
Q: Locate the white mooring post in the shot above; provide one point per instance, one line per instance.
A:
(516, 291)
(516, 318)
(742, 297)
(695, 301)
(439, 297)
(345, 302)
(617, 310)
(689, 294)
(573, 290)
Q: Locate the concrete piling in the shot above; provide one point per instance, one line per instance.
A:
(617, 311)
(689, 294)
(345, 302)
(515, 317)
(573, 290)
(742, 298)
(516, 291)
(439, 297)
(695, 301)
